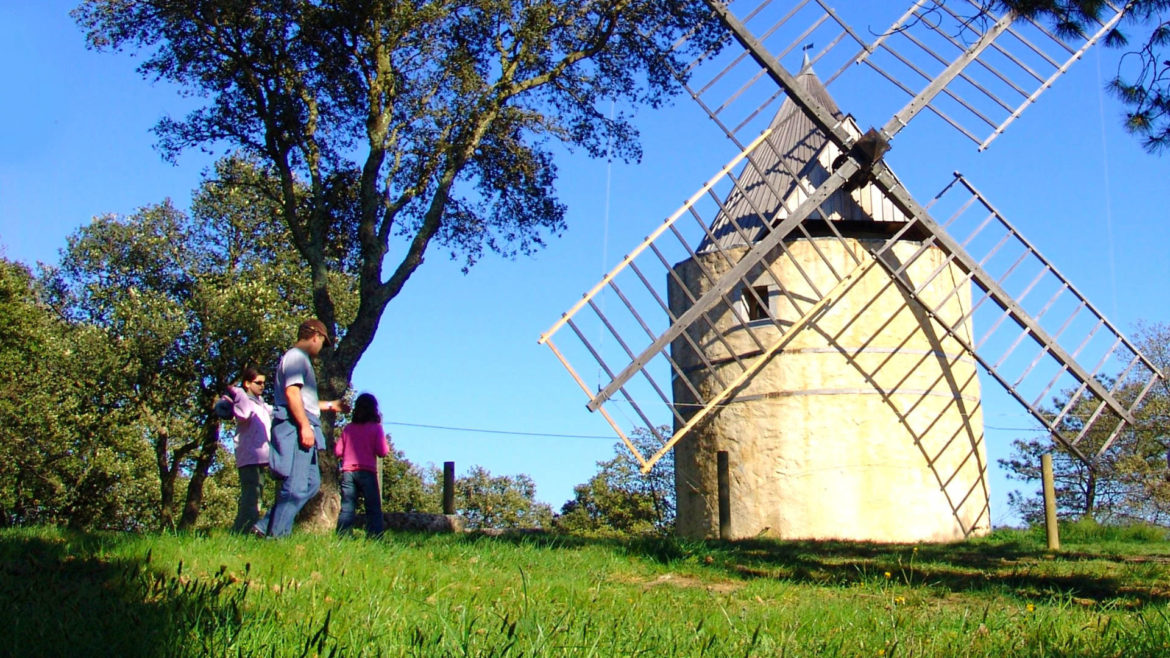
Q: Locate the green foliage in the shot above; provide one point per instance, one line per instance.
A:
(1142, 82)
(221, 493)
(620, 498)
(499, 501)
(183, 303)
(67, 453)
(1072, 479)
(406, 488)
(486, 501)
(389, 127)
(1088, 531)
(1004, 595)
(237, 204)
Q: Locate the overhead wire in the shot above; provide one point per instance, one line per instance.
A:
(481, 430)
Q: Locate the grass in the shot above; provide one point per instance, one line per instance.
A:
(63, 593)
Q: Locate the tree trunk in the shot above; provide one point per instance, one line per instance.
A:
(166, 479)
(320, 514)
(207, 451)
(1090, 494)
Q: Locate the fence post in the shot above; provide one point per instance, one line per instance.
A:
(724, 494)
(448, 487)
(1049, 502)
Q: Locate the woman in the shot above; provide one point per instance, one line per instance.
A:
(253, 422)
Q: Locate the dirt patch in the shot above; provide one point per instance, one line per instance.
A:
(686, 582)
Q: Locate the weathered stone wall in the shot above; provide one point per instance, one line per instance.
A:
(866, 426)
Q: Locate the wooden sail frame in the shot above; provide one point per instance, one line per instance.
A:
(1113, 385)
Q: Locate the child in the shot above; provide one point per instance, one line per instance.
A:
(362, 442)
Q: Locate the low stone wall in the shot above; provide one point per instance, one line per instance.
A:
(421, 522)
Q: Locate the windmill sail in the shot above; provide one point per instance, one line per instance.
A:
(807, 176)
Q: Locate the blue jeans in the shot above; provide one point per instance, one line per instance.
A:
(303, 482)
(367, 483)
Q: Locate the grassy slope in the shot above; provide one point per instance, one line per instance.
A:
(74, 594)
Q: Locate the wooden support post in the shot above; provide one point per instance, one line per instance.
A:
(378, 475)
(1049, 502)
(448, 487)
(724, 495)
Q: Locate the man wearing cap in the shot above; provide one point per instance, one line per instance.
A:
(296, 430)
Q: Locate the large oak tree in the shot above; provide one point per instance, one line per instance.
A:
(398, 127)
(407, 123)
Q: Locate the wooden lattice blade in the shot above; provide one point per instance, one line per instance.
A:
(975, 69)
(643, 374)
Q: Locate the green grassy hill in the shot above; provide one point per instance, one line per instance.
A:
(1106, 594)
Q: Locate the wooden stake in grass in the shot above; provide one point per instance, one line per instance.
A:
(1049, 502)
(448, 488)
(724, 485)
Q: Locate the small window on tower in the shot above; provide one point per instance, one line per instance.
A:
(757, 302)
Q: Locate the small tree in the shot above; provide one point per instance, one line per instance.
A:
(1076, 485)
(620, 498)
(187, 302)
(1131, 480)
(503, 501)
(68, 451)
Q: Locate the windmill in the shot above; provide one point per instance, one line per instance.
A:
(818, 323)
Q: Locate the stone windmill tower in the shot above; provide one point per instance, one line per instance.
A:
(871, 422)
(820, 331)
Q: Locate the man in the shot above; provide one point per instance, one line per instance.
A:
(296, 430)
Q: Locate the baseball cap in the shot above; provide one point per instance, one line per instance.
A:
(315, 325)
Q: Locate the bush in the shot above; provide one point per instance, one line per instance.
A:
(1087, 530)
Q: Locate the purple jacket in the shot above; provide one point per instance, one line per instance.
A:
(253, 423)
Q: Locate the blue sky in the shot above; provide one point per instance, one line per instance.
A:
(459, 351)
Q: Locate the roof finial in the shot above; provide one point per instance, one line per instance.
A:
(806, 65)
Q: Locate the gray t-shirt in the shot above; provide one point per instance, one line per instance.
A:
(296, 368)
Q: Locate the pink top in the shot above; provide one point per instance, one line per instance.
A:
(360, 446)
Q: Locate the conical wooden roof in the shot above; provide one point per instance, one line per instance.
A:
(795, 158)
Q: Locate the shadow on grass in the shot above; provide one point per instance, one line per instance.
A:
(62, 595)
(1019, 567)
(1014, 568)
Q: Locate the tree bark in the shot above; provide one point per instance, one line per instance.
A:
(1090, 494)
(319, 515)
(193, 504)
(166, 479)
